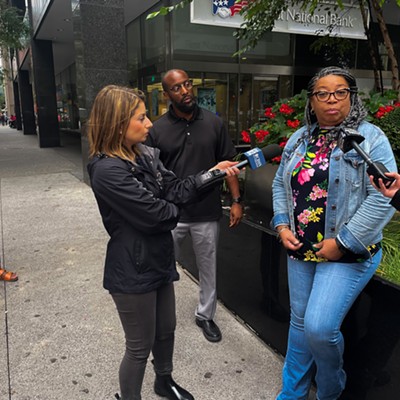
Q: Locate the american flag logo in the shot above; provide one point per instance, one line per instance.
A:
(228, 8)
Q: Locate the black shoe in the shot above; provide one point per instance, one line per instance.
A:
(210, 329)
(117, 396)
(166, 387)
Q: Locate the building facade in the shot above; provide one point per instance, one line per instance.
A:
(78, 46)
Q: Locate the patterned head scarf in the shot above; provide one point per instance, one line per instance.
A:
(357, 111)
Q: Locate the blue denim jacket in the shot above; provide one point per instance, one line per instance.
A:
(356, 212)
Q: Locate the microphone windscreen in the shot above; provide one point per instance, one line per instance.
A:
(271, 151)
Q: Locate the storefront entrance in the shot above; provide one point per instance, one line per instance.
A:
(239, 99)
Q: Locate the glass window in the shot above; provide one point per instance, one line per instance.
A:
(133, 39)
(245, 102)
(273, 48)
(67, 110)
(212, 94)
(265, 93)
(201, 42)
(335, 51)
(156, 102)
(232, 117)
(154, 40)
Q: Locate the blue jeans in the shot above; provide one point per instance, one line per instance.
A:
(321, 294)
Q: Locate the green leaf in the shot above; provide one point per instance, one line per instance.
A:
(14, 31)
(166, 10)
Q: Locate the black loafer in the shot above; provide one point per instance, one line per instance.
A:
(210, 329)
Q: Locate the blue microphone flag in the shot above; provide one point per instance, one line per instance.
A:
(255, 158)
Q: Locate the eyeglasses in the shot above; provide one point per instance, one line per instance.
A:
(177, 88)
(339, 95)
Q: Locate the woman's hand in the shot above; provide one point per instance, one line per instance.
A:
(328, 249)
(289, 241)
(392, 189)
(228, 167)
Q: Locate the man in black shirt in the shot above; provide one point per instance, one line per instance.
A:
(192, 139)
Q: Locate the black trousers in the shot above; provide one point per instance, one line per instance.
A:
(149, 322)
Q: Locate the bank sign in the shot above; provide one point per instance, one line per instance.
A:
(326, 20)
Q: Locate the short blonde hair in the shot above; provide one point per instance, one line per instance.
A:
(109, 119)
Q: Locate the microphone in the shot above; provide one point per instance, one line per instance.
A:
(350, 139)
(255, 158)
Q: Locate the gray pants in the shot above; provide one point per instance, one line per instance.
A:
(205, 242)
(149, 324)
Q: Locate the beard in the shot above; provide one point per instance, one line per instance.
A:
(186, 108)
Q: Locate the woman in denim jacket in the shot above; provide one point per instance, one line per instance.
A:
(330, 219)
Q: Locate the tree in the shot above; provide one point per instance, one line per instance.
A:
(373, 53)
(260, 16)
(377, 5)
(13, 29)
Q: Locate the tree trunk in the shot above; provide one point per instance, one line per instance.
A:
(371, 48)
(394, 66)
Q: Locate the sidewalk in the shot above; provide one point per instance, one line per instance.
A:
(64, 338)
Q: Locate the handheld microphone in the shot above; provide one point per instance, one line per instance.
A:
(255, 158)
(350, 139)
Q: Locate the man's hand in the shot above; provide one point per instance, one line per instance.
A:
(236, 215)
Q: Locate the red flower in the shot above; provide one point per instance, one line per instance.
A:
(285, 109)
(268, 113)
(246, 137)
(277, 159)
(382, 111)
(283, 142)
(397, 104)
(260, 135)
(293, 124)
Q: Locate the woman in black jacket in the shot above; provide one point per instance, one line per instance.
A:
(139, 203)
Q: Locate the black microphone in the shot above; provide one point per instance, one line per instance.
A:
(350, 139)
(255, 158)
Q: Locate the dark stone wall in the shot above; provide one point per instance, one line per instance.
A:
(45, 91)
(27, 108)
(101, 55)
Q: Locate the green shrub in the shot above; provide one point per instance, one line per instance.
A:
(389, 267)
(390, 124)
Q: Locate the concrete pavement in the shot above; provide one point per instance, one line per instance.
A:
(61, 338)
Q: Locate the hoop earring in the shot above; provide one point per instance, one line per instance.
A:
(312, 112)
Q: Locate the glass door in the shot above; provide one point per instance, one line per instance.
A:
(265, 94)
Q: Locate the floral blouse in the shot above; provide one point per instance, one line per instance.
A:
(310, 191)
